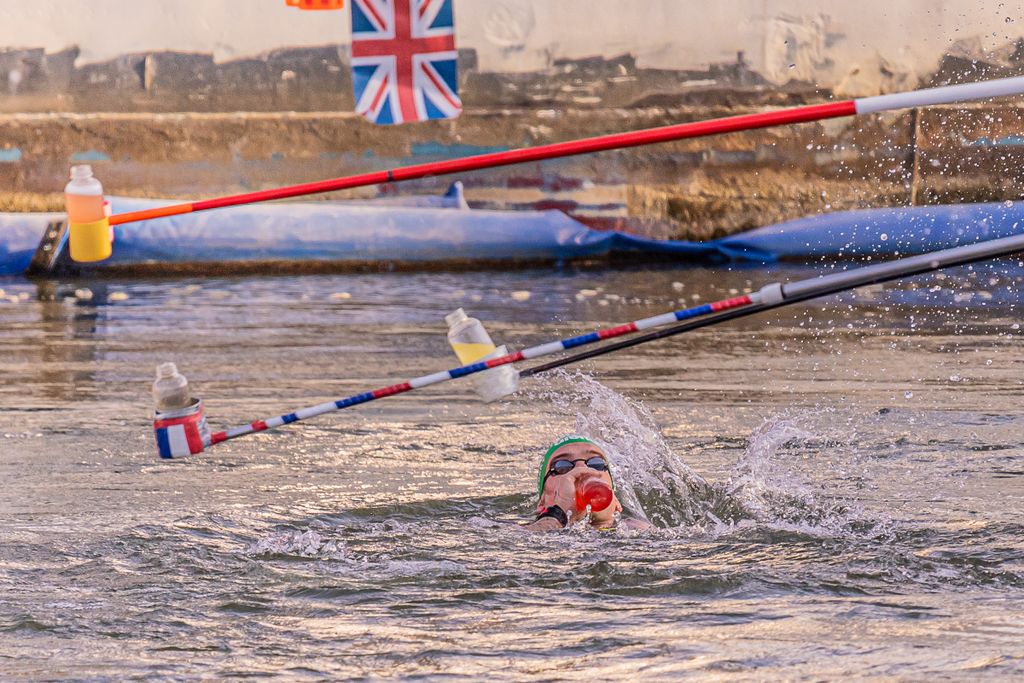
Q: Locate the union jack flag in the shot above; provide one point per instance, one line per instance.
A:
(404, 60)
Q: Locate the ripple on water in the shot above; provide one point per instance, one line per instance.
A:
(813, 473)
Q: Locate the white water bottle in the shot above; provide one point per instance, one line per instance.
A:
(84, 196)
(472, 344)
(170, 390)
(468, 337)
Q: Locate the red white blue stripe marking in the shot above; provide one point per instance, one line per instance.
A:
(455, 373)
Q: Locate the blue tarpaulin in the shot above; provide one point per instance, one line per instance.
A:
(888, 232)
(441, 229)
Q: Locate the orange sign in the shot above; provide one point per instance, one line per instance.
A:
(316, 4)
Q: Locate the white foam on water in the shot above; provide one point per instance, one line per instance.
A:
(759, 481)
(309, 544)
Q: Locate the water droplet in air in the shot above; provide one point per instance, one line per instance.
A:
(792, 66)
(908, 394)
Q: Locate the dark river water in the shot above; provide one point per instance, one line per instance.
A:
(837, 487)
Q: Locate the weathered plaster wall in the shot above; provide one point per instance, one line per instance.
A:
(862, 45)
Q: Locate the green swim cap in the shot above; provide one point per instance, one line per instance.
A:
(571, 438)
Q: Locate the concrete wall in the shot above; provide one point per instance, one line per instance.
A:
(859, 46)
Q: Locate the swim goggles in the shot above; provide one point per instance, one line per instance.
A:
(564, 466)
(542, 469)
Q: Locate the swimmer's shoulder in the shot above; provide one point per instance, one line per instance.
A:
(634, 524)
(628, 523)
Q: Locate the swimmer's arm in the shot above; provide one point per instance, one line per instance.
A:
(551, 524)
(551, 518)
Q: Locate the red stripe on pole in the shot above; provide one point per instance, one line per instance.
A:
(375, 178)
(681, 131)
(217, 437)
(392, 390)
(616, 331)
(148, 214)
(258, 426)
(649, 136)
(504, 360)
(730, 303)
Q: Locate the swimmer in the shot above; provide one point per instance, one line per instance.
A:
(572, 459)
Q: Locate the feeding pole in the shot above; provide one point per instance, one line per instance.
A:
(803, 114)
(768, 297)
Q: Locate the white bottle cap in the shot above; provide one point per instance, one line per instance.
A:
(455, 317)
(81, 171)
(166, 370)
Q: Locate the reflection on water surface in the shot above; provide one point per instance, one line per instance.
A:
(837, 485)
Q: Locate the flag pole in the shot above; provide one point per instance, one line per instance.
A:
(803, 114)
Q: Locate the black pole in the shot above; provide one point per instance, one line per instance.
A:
(813, 288)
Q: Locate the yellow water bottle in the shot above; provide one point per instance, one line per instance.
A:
(88, 226)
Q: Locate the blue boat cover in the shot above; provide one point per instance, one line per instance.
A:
(889, 232)
(439, 229)
(20, 235)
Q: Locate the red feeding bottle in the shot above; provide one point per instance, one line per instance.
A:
(593, 492)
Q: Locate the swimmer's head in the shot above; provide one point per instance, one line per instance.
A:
(577, 452)
(545, 462)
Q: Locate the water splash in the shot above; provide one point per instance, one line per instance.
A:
(764, 489)
(651, 482)
(769, 487)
